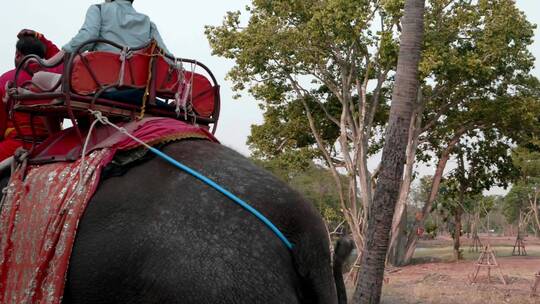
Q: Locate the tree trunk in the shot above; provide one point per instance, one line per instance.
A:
(369, 286)
(396, 249)
(348, 206)
(533, 200)
(413, 236)
(468, 223)
(435, 185)
(474, 224)
(457, 234)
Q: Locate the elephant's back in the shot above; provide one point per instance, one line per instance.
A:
(158, 235)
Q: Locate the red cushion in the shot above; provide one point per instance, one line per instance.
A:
(106, 68)
(203, 95)
(166, 77)
(203, 91)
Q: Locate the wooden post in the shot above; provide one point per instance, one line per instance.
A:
(487, 260)
(519, 246)
(476, 244)
(535, 284)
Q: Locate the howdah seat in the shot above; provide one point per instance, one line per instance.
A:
(166, 86)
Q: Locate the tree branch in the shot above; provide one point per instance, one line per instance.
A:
(305, 93)
(375, 101)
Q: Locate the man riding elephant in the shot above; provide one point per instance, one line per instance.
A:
(116, 21)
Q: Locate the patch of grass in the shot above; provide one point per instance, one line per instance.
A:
(446, 254)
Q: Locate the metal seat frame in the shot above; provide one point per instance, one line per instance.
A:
(68, 104)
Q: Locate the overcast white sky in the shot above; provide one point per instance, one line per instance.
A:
(181, 24)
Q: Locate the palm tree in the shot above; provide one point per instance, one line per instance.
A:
(368, 288)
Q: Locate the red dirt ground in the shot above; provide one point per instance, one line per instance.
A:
(448, 282)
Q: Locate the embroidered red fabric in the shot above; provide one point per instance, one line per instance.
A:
(41, 213)
(38, 223)
(66, 145)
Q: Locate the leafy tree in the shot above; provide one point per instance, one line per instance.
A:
(489, 164)
(480, 85)
(521, 203)
(481, 165)
(317, 184)
(328, 67)
(516, 203)
(452, 204)
(420, 192)
(312, 64)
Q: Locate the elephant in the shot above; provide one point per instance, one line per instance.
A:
(154, 234)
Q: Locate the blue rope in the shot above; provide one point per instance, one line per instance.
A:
(225, 192)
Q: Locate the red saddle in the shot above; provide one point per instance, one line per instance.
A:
(183, 94)
(94, 70)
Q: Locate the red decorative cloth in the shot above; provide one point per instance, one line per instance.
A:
(38, 223)
(66, 145)
(41, 212)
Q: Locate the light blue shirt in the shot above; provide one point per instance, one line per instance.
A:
(118, 22)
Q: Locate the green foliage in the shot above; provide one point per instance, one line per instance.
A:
(517, 200)
(431, 229)
(528, 162)
(287, 37)
(481, 165)
(318, 186)
(420, 192)
(286, 136)
(475, 67)
(487, 162)
(316, 57)
(477, 74)
(287, 44)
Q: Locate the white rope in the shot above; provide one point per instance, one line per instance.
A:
(83, 155)
(179, 66)
(81, 181)
(105, 121)
(193, 68)
(124, 55)
(188, 91)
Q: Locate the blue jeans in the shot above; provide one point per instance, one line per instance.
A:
(131, 96)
